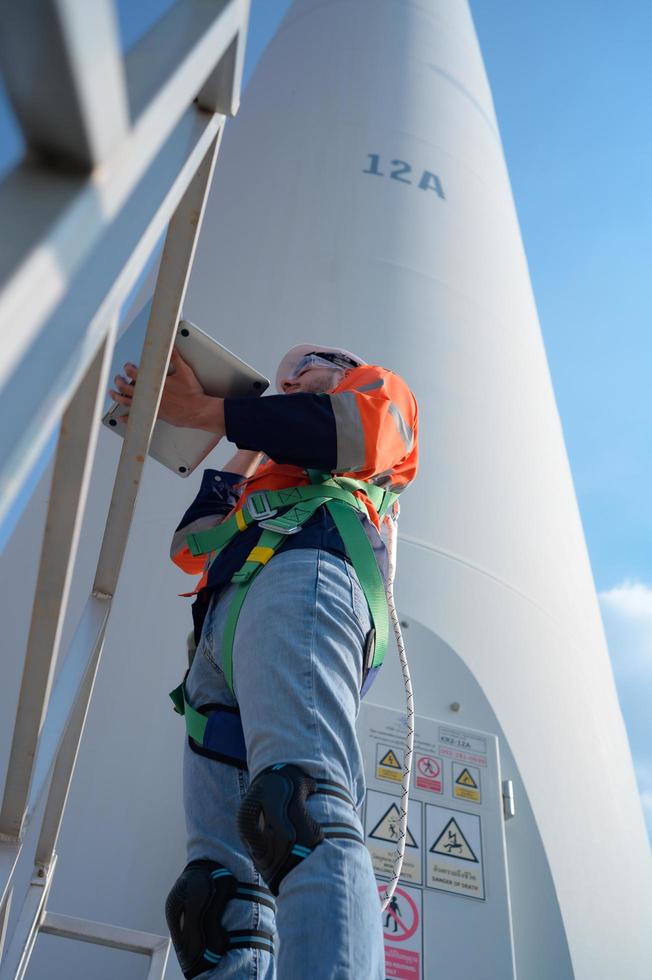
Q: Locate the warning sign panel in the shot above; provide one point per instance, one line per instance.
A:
(382, 832)
(389, 763)
(402, 932)
(453, 839)
(458, 867)
(429, 773)
(466, 783)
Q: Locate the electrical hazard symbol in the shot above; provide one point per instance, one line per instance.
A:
(466, 783)
(466, 779)
(389, 828)
(382, 823)
(452, 841)
(389, 763)
(454, 859)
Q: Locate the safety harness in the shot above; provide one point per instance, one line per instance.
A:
(273, 820)
(217, 728)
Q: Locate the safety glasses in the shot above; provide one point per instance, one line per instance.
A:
(323, 360)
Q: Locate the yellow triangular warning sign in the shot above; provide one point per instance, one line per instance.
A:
(388, 828)
(466, 779)
(453, 843)
(390, 760)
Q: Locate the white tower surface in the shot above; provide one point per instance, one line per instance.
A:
(362, 199)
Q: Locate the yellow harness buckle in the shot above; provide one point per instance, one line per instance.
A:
(261, 555)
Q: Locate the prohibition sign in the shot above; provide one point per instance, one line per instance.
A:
(428, 766)
(403, 930)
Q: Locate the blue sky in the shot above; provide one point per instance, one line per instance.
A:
(572, 90)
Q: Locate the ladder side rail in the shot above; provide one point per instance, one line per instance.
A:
(5, 909)
(204, 129)
(50, 580)
(171, 285)
(77, 667)
(174, 273)
(26, 929)
(198, 130)
(9, 856)
(72, 469)
(164, 315)
(66, 757)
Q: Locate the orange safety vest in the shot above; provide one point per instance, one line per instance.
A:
(376, 421)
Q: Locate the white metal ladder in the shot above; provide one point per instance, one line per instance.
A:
(119, 148)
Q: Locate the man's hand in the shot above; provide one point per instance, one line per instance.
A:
(184, 402)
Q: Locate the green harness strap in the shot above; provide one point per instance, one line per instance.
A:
(337, 494)
(258, 557)
(381, 499)
(263, 505)
(195, 722)
(216, 538)
(359, 550)
(268, 544)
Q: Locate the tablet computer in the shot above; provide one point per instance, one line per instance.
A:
(221, 374)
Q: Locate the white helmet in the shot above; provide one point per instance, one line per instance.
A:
(290, 360)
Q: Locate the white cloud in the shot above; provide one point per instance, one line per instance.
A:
(633, 599)
(627, 616)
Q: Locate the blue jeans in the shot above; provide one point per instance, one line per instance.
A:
(297, 664)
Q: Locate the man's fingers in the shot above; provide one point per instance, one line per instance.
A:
(120, 399)
(179, 365)
(123, 385)
(124, 388)
(176, 362)
(176, 359)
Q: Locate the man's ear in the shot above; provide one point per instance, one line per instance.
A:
(341, 374)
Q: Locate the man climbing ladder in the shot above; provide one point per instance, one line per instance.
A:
(291, 625)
